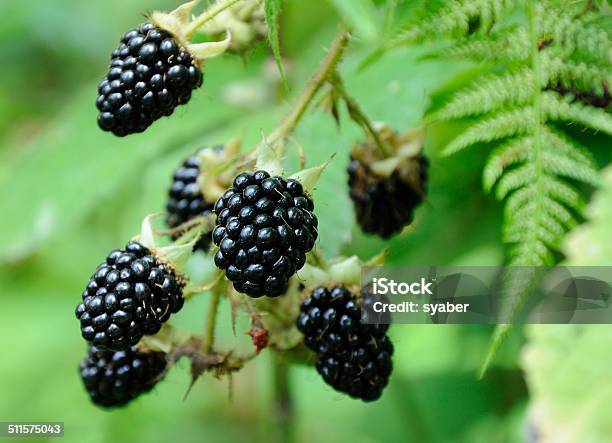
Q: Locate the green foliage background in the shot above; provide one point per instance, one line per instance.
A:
(70, 193)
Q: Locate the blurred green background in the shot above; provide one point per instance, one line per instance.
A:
(70, 193)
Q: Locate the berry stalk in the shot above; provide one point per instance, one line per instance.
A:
(211, 320)
(218, 7)
(283, 399)
(326, 68)
(357, 113)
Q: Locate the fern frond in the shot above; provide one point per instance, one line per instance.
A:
(514, 88)
(560, 212)
(487, 129)
(520, 198)
(489, 94)
(453, 20)
(560, 191)
(511, 44)
(515, 179)
(590, 43)
(570, 73)
(560, 47)
(567, 146)
(533, 252)
(561, 165)
(555, 107)
(582, 39)
(504, 156)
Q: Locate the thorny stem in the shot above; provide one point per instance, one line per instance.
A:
(324, 70)
(283, 407)
(218, 7)
(196, 288)
(357, 113)
(211, 320)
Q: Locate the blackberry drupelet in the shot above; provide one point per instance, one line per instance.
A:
(385, 205)
(115, 378)
(265, 226)
(185, 198)
(150, 74)
(352, 357)
(129, 295)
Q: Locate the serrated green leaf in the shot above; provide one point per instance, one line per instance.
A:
(272, 9)
(567, 372)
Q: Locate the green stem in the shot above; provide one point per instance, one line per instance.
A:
(324, 70)
(537, 98)
(217, 8)
(283, 407)
(357, 114)
(211, 320)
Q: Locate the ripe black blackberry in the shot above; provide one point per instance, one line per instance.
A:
(115, 378)
(265, 226)
(352, 357)
(150, 74)
(384, 205)
(130, 295)
(185, 198)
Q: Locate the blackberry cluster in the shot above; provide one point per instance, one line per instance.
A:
(150, 74)
(352, 357)
(185, 199)
(265, 226)
(130, 295)
(115, 378)
(385, 205)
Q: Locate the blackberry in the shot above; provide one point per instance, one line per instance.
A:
(384, 206)
(185, 198)
(352, 357)
(115, 378)
(265, 226)
(150, 74)
(129, 295)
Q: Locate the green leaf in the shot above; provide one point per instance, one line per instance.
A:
(567, 370)
(361, 16)
(591, 243)
(273, 10)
